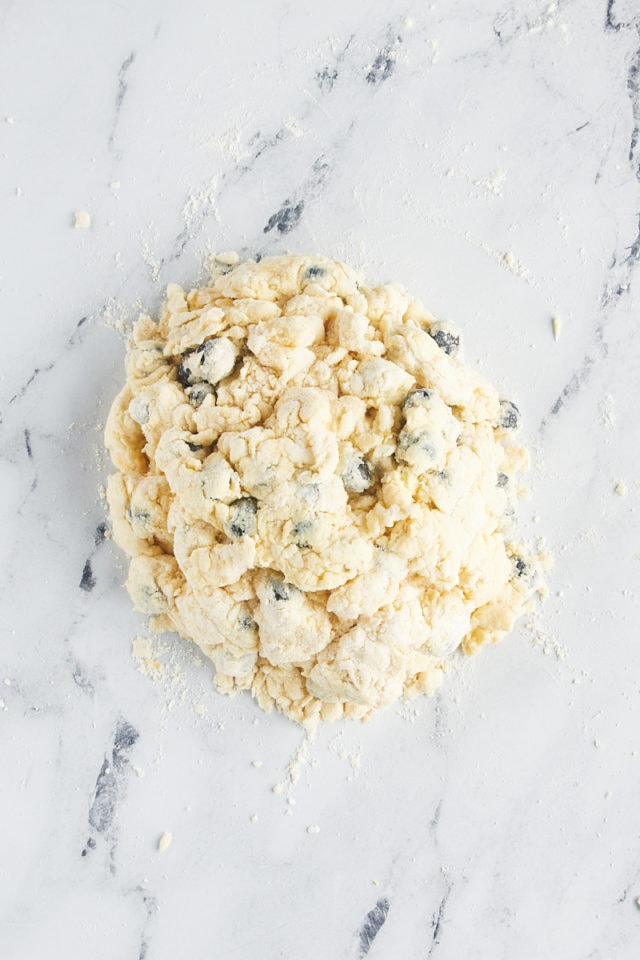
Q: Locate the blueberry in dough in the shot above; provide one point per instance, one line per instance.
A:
(301, 530)
(502, 480)
(242, 517)
(418, 441)
(520, 565)
(212, 361)
(313, 272)
(198, 393)
(420, 397)
(445, 337)
(280, 591)
(357, 475)
(509, 415)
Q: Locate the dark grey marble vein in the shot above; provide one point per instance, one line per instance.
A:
(110, 786)
(611, 18)
(121, 92)
(620, 273)
(384, 64)
(437, 920)
(87, 580)
(288, 216)
(76, 338)
(373, 923)
(350, 61)
(633, 90)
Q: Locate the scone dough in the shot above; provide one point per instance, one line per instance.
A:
(314, 487)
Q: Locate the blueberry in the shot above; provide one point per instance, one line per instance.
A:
(420, 440)
(280, 590)
(212, 361)
(194, 447)
(521, 567)
(184, 375)
(242, 517)
(444, 336)
(300, 532)
(357, 475)
(198, 393)
(509, 416)
(503, 480)
(313, 272)
(417, 398)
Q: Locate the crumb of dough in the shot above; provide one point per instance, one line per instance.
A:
(253, 818)
(315, 488)
(165, 841)
(230, 258)
(620, 488)
(556, 327)
(81, 220)
(114, 185)
(9, 120)
(143, 654)
(313, 828)
(256, 763)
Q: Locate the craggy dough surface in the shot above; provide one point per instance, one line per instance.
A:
(314, 487)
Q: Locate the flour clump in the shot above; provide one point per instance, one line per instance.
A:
(315, 488)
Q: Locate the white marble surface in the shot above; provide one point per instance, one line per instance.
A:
(421, 142)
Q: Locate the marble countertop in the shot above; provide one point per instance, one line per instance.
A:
(487, 156)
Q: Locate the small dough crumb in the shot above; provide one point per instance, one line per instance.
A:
(229, 257)
(253, 818)
(556, 326)
(256, 763)
(314, 828)
(9, 120)
(82, 220)
(620, 488)
(165, 841)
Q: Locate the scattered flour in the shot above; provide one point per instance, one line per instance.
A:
(493, 183)
(607, 411)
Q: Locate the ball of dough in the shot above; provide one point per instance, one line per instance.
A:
(315, 488)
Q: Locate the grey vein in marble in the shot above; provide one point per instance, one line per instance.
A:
(109, 787)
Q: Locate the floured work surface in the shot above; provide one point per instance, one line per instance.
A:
(315, 488)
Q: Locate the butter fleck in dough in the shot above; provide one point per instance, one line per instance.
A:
(315, 488)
